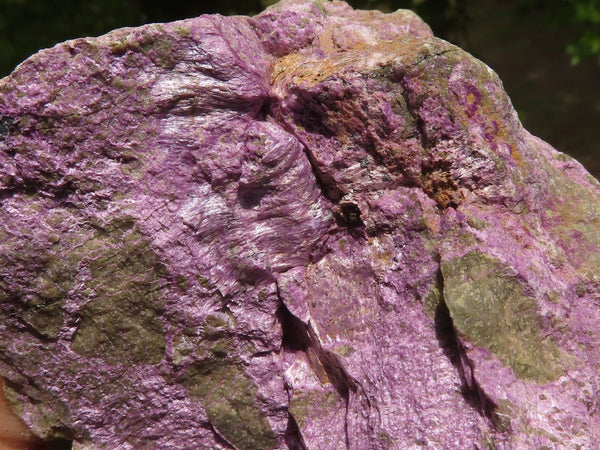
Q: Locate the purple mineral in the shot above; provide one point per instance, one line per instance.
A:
(316, 228)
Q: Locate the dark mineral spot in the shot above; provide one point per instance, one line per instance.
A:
(6, 124)
(293, 437)
(251, 195)
(54, 444)
(350, 215)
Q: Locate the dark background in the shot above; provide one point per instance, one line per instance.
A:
(532, 44)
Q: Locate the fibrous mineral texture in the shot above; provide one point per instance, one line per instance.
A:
(314, 228)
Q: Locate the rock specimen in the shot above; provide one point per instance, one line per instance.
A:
(314, 228)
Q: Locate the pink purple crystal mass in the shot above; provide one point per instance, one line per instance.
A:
(313, 228)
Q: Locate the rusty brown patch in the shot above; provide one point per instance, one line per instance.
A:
(439, 185)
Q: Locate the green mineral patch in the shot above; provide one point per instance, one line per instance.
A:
(491, 308)
(119, 330)
(230, 399)
(477, 223)
(52, 285)
(50, 413)
(218, 321)
(183, 31)
(344, 350)
(184, 345)
(161, 51)
(46, 319)
(386, 441)
(154, 43)
(434, 296)
(183, 283)
(503, 414)
(305, 405)
(132, 168)
(121, 323)
(574, 217)
(488, 441)
(321, 7)
(47, 278)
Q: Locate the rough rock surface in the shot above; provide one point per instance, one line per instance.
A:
(314, 228)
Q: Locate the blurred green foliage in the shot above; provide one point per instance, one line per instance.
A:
(586, 16)
(580, 17)
(28, 25)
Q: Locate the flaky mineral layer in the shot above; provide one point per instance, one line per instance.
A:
(314, 228)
